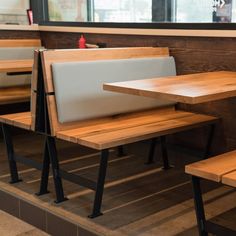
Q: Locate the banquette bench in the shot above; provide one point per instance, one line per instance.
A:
(77, 110)
(16, 57)
(220, 169)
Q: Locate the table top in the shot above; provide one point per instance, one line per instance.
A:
(16, 65)
(191, 89)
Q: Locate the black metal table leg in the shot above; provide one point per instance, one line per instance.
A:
(121, 151)
(151, 151)
(209, 141)
(100, 184)
(10, 154)
(45, 171)
(165, 159)
(55, 169)
(199, 208)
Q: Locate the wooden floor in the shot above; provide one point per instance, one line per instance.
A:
(138, 200)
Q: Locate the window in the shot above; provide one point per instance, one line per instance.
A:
(68, 10)
(124, 12)
(100, 10)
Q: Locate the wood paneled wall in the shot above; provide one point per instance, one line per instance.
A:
(12, 34)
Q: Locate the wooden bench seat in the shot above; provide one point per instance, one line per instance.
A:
(229, 179)
(128, 128)
(214, 168)
(16, 59)
(76, 109)
(17, 94)
(221, 169)
(21, 120)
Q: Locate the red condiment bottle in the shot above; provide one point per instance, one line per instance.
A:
(82, 42)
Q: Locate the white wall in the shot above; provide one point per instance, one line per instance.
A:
(14, 11)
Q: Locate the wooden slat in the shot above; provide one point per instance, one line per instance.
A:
(34, 83)
(213, 168)
(20, 43)
(14, 94)
(20, 120)
(192, 89)
(230, 179)
(132, 128)
(54, 56)
(16, 65)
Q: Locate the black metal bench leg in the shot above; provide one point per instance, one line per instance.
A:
(165, 159)
(151, 152)
(120, 151)
(199, 208)
(10, 154)
(100, 184)
(51, 145)
(209, 141)
(45, 171)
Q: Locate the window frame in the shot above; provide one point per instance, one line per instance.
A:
(41, 16)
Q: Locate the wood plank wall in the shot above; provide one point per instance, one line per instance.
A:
(192, 54)
(12, 34)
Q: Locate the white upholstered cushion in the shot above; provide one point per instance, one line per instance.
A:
(79, 93)
(16, 53)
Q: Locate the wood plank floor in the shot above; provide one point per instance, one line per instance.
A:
(138, 200)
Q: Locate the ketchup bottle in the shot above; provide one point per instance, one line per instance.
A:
(82, 42)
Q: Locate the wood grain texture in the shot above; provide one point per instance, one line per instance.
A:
(21, 120)
(24, 120)
(16, 65)
(14, 94)
(134, 127)
(53, 56)
(191, 89)
(20, 43)
(139, 200)
(192, 55)
(34, 84)
(213, 168)
(230, 179)
(19, 34)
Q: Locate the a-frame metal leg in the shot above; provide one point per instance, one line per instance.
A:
(151, 151)
(51, 145)
(120, 151)
(199, 208)
(164, 152)
(209, 141)
(45, 171)
(100, 184)
(10, 154)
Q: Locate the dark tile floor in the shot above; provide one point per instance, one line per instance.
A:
(138, 200)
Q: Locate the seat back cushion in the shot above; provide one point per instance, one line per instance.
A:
(17, 53)
(79, 93)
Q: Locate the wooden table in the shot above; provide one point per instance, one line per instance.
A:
(16, 66)
(191, 89)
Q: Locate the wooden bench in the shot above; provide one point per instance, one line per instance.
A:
(221, 169)
(106, 128)
(16, 58)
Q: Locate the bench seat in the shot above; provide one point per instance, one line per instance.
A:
(16, 58)
(21, 120)
(230, 179)
(217, 168)
(128, 128)
(15, 94)
(221, 169)
(109, 132)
